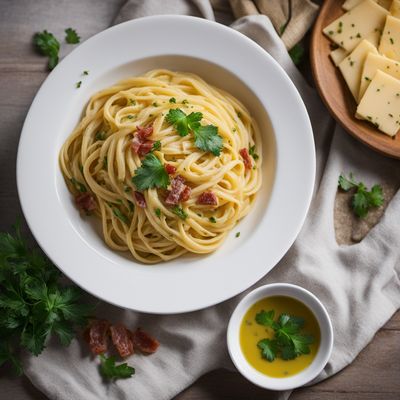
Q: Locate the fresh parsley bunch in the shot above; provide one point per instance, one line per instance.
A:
(33, 303)
(363, 199)
(288, 341)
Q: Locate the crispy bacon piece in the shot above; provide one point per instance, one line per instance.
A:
(145, 148)
(143, 132)
(121, 339)
(179, 191)
(140, 145)
(246, 158)
(140, 200)
(144, 342)
(185, 194)
(170, 169)
(207, 198)
(96, 334)
(85, 201)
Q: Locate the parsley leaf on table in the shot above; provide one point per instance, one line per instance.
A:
(110, 370)
(206, 137)
(363, 199)
(47, 45)
(33, 303)
(288, 341)
(71, 37)
(151, 174)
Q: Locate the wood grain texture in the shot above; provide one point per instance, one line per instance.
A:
(374, 375)
(334, 91)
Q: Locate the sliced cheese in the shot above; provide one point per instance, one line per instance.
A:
(373, 63)
(385, 3)
(395, 8)
(381, 103)
(352, 27)
(338, 55)
(351, 67)
(390, 40)
(349, 4)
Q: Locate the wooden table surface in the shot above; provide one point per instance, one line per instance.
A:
(375, 373)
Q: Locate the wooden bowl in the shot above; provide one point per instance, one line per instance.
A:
(334, 91)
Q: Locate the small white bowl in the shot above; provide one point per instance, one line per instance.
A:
(325, 347)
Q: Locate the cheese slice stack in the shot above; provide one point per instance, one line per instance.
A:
(368, 57)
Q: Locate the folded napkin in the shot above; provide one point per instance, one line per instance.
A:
(358, 284)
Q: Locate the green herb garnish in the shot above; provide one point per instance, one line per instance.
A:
(47, 45)
(71, 37)
(100, 135)
(110, 370)
(363, 199)
(252, 152)
(297, 53)
(172, 100)
(180, 212)
(158, 212)
(288, 342)
(78, 84)
(151, 174)
(156, 146)
(237, 234)
(206, 136)
(78, 185)
(33, 303)
(212, 220)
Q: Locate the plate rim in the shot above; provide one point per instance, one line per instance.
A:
(309, 185)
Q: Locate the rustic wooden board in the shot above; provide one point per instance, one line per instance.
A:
(334, 91)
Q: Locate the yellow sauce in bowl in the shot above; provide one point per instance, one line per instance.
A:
(251, 333)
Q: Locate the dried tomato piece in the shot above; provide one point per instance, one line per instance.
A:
(144, 342)
(246, 158)
(96, 334)
(207, 198)
(85, 202)
(121, 339)
(170, 169)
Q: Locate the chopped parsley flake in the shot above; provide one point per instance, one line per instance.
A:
(172, 100)
(180, 212)
(212, 219)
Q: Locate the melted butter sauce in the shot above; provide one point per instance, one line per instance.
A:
(251, 333)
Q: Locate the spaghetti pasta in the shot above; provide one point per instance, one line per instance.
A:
(128, 131)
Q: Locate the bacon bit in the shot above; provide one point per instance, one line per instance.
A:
(143, 132)
(121, 339)
(144, 342)
(139, 144)
(85, 201)
(170, 169)
(177, 188)
(246, 158)
(185, 194)
(140, 200)
(96, 334)
(207, 198)
(145, 147)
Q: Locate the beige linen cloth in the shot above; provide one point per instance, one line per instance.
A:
(358, 284)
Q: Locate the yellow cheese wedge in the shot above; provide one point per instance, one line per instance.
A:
(351, 67)
(352, 27)
(373, 63)
(390, 40)
(339, 54)
(349, 4)
(381, 103)
(395, 8)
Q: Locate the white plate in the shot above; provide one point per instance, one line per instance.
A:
(224, 58)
